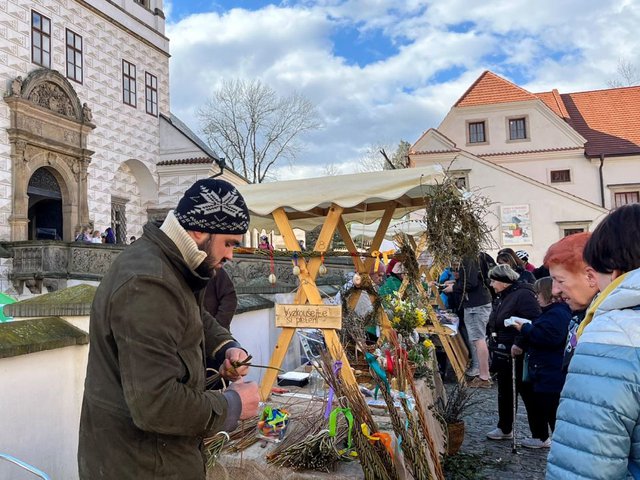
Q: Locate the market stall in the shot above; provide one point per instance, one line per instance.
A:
(333, 202)
(411, 445)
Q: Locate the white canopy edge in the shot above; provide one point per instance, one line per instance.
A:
(362, 195)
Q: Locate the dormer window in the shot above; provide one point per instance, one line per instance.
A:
(517, 128)
(477, 132)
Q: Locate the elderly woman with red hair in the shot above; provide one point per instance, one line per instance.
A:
(573, 281)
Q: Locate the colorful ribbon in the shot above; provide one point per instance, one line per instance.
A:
(377, 368)
(333, 421)
(381, 437)
(385, 256)
(387, 355)
(337, 365)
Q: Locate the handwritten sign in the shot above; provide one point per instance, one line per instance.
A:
(309, 316)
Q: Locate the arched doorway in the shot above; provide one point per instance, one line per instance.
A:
(45, 206)
(49, 129)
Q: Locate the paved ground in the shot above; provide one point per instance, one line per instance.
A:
(495, 457)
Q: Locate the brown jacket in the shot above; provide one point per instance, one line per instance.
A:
(220, 298)
(145, 408)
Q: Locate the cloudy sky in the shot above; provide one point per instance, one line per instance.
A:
(384, 70)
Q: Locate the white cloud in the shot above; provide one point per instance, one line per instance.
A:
(572, 45)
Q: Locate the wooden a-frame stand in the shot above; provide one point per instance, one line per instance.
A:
(308, 291)
(454, 346)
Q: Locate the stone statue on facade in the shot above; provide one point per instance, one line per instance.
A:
(87, 116)
(16, 86)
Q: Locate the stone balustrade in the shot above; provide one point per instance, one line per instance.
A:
(45, 265)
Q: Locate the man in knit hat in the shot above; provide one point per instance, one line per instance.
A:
(145, 409)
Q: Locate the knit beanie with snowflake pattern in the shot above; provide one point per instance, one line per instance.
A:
(213, 206)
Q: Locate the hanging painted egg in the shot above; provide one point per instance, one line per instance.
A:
(272, 279)
(322, 270)
(296, 270)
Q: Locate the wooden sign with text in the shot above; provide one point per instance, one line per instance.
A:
(309, 316)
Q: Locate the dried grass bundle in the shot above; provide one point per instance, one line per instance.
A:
(375, 461)
(455, 222)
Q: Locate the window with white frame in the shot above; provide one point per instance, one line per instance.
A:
(624, 193)
(572, 227)
(624, 198)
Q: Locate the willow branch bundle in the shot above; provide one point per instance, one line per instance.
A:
(312, 452)
(214, 447)
(420, 426)
(244, 436)
(456, 222)
(424, 426)
(411, 444)
(409, 260)
(307, 445)
(375, 461)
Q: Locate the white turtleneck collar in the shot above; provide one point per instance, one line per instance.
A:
(187, 245)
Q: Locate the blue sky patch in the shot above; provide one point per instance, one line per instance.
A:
(362, 48)
(462, 27)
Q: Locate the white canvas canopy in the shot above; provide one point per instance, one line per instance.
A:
(364, 196)
(410, 227)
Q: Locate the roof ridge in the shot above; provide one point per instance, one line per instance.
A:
(487, 74)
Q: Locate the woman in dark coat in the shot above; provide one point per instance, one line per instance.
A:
(110, 236)
(519, 300)
(507, 256)
(545, 339)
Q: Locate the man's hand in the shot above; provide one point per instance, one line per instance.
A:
(249, 397)
(448, 288)
(516, 350)
(227, 370)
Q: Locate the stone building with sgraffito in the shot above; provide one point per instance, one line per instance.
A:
(86, 133)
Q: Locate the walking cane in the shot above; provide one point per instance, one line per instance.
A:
(515, 404)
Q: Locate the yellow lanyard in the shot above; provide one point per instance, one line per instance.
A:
(596, 303)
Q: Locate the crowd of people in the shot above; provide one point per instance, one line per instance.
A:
(87, 235)
(568, 334)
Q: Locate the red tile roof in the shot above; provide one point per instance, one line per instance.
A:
(542, 150)
(489, 88)
(553, 100)
(608, 119)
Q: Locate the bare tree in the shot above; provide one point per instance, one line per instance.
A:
(253, 127)
(331, 170)
(627, 75)
(376, 158)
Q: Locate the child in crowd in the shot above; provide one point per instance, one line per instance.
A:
(545, 338)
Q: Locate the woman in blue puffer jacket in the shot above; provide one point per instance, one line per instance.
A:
(597, 432)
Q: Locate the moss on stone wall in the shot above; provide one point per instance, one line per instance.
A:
(37, 335)
(72, 301)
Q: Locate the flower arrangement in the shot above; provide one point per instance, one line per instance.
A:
(405, 315)
(421, 354)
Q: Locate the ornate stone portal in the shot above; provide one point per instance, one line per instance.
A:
(49, 128)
